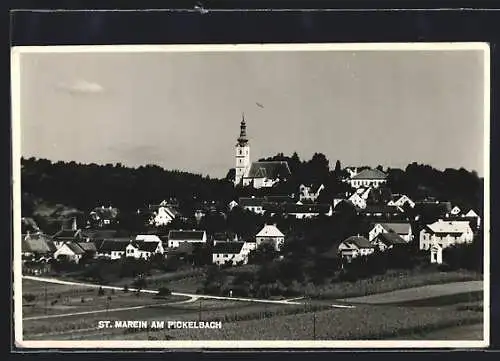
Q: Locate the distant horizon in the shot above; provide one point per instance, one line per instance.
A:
(181, 110)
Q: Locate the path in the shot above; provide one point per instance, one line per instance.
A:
(418, 293)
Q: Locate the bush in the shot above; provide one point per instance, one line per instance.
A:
(100, 292)
(164, 292)
(125, 288)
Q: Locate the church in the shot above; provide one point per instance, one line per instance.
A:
(256, 174)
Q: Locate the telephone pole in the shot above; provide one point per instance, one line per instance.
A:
(199, 312)
(45, 296)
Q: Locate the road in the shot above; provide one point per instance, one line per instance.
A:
(293, 301)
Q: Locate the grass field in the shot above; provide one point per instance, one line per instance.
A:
(416, 313)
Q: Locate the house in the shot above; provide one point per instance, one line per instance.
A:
(103, 216)
(253, 204)
(270, 234)
(143, 249)
(472, 215)
(265, 174)
(232, 204)
(37, 247)
(355, 246)
(231, 253)
(310, 192)
(176, 237)
(357, 200)
(380, 211)
(301, 211)
(162, 215)
(400, 200)
(74, 251)
(401, 229)
(455, 211)
(224, 237)
(387, 240)
(112, 248)
(185, 251)
(67, 235)
(368, 178)
(445, 233)
(147, 238)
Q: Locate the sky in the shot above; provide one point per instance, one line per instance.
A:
(182, 110)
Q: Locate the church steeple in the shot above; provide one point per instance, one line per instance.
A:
(242, 153)
(243, 140)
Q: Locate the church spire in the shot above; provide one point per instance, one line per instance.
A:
(243, 140)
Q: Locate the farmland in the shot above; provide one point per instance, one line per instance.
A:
(379, 319)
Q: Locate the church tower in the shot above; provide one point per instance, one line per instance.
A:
(242, 154)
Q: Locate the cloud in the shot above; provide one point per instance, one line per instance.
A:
(81, 87)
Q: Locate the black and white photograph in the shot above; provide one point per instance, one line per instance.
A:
(261, 196)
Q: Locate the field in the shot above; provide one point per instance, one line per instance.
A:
(417, 313)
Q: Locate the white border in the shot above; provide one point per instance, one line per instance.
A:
(16, 53)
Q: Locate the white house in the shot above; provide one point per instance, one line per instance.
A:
(310, 193)
(355, 246)
(436, 254)
(400, 200)
(270, 234)
(162, 216)
(147, 238)
(143, 249)
(176, 237)
(357, 200)
(112, 249)
(252, 204)
(368, 178)
(446, 233)
(401, 229)
(74, 251)
(474, 215)
(230, 253)
(232, 204)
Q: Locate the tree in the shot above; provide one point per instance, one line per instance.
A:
(100, 292)
(164, 292)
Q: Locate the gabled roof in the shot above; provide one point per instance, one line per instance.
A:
(251, 201)
(184, 248)
(67, 233)
(39, 245)
(145, 246)
(113, 245)
(390, 239)
(270, 231)
(370, 174)
(471, 213)
(224, 236)
(269, 169)
(186, 235)
(228, 248)
(359, 242)
(384, 209)
(449, 227)
(87, 246)
(398, 228)
(73, 246)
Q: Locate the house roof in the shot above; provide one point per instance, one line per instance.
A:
(145, 246)
(99, 233)
(184, 248)
(384, 209)
(390, 238)
(224, 236)
(270, 231)
(251, 201)
(87, 246)
(398, 228)
(269, 169)
(38, 245)
(449, 227)
(228, 248)
(370, 174)
(278, 199)
(186, 235)
(67, 233)
(291, 208)
(73, 246)
(110, 245)
(359, 242)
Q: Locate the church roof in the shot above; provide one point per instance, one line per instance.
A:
(370, 174)
(271, 169)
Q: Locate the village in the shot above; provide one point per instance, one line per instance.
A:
(395, 222)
